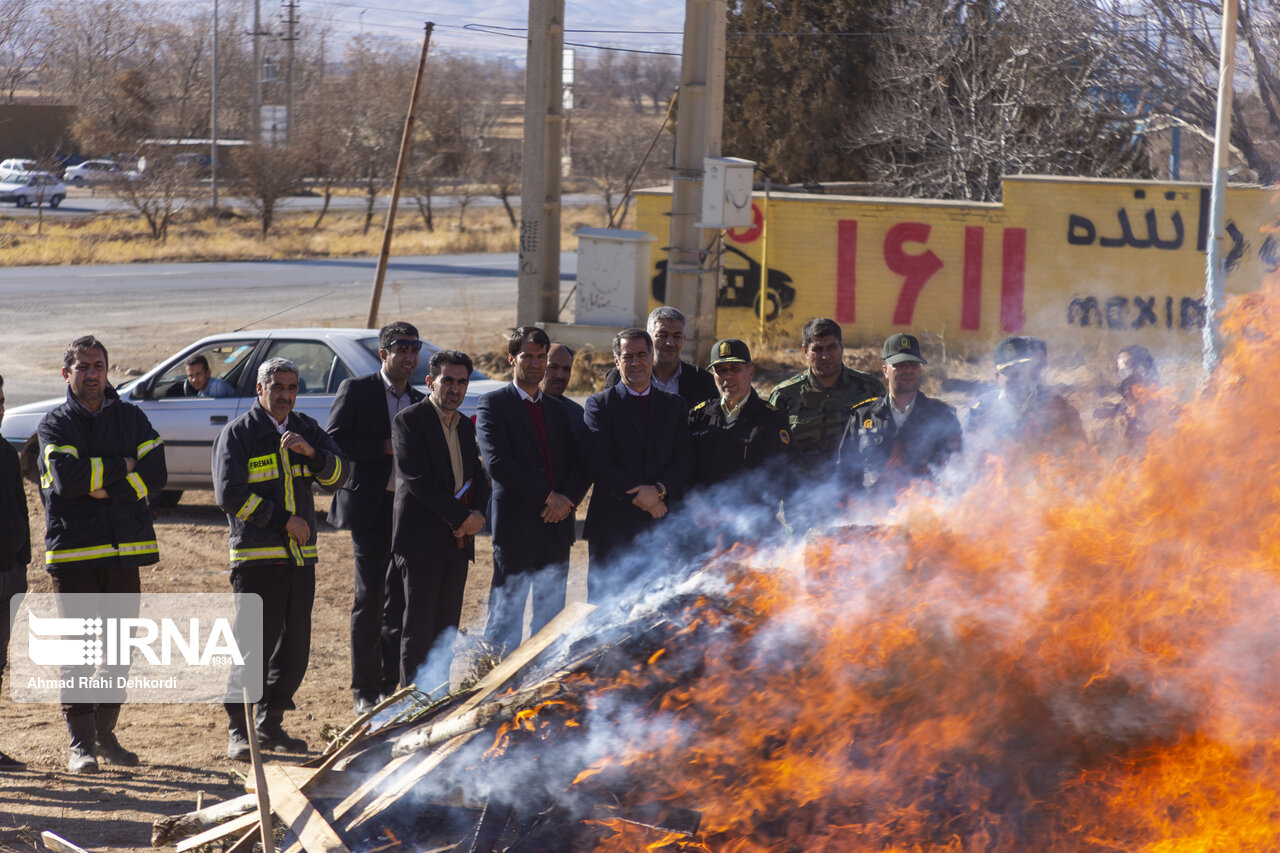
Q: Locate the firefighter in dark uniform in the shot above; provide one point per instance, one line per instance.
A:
(894, 439)
(99, 460)
(264, 463)
(736, 431)
(817, 401)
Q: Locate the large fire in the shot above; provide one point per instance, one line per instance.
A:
(1064, 654)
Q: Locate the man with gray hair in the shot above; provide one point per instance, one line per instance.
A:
(263, 465)
(670, 373)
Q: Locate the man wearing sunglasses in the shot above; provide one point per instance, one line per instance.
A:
(360, 424)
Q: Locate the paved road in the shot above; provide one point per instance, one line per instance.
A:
(144, 312)
(85, 202)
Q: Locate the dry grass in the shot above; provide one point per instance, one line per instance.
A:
(121, 238)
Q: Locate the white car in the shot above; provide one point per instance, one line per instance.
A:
(27, 188)
(97, 172)
(189, 425)
(15, 165)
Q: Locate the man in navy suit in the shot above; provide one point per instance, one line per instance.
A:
(641, 457)
(526, 440)
(360, 424)
(441, 492)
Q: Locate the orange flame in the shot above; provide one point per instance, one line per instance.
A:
(1073, 654)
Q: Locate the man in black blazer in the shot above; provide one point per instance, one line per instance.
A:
(360, 424)
(441, 492)
(527, 442)
(641, 457)
(556, 379)
(666, 327)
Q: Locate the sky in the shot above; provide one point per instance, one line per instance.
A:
(497, 27)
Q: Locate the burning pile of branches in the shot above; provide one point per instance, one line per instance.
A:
(1055, 654)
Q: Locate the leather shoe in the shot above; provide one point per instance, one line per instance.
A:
(238, 747)
(364, 706)
(273, 736)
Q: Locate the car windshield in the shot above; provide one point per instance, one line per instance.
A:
(424, 359)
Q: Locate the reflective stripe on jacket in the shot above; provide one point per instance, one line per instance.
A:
(83, 452)
(259, 486)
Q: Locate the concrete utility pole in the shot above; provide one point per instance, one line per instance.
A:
(692, 280)
(539, 277)
(291, 36)
(1215, 272)
(257, 71)
(213, 119)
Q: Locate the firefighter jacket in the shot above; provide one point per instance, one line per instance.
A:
(82, 452)
(259, 486)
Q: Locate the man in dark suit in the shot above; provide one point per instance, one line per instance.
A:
(556, 379)
(360, 424)
(641, 457)
(526, 440)
(670, 374)
(441, 492)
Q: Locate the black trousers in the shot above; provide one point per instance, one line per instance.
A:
(288, 593)
(13, 582)
(520, 568)
(102, 579)
(433, 592)
(377, 611)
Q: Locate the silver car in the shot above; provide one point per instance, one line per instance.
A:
(189, 425)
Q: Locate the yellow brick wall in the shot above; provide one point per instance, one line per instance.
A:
(1054, 260)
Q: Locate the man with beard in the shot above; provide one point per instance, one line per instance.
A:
(528, 447)
(817, 401)
(99, 459)
(263, 465)
(360, 424)
(893, 439)
(556, 380)
(441, 496)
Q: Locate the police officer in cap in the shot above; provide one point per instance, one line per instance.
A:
(893, 439)
(736, 431)
(1025, 414)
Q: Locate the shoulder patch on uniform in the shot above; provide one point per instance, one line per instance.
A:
(864, 402)
(784, 436)
(868, 423)
(701, 405)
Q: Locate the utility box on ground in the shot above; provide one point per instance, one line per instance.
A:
(613, 277)
(726, 192)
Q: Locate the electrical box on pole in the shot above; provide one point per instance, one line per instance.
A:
(726, 192)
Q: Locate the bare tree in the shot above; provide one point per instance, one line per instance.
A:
(158, 193)
(268, 174)
(503, 165)
(609, 146)
(965, 93)
(1178, 41)
(22, 39)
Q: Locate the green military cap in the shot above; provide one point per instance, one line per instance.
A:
(730, 351)
(902, 347)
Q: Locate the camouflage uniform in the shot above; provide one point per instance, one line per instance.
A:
(818, 415)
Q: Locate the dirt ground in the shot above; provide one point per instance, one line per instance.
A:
(182, 747)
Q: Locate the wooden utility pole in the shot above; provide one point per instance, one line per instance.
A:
(692, 280)
(1215, 272)
(539, 277)
(375, 298)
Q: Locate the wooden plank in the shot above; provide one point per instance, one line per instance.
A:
(313, 832)
(394, 785)
(244, 844)
(59, 844)
(239, 824)
(401, 774)
(170, 830)
(260, 779)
